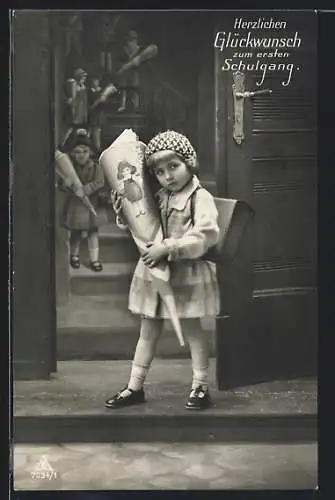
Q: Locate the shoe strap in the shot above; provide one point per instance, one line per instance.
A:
(198, 392)
(127, 390)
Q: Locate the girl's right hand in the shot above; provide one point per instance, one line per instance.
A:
(79, 191)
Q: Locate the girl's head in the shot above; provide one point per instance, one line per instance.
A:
(132, 39)
(80, 154)
(95, 81)
(80, 75)
(172, 159)
(124, 168)
(79, 146)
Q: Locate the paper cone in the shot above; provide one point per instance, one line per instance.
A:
(122, 163)
(66, 171)
(165, 291)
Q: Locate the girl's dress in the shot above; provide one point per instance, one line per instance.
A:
(75, 215)
(130, 78)
(77, 111)
(193, 281)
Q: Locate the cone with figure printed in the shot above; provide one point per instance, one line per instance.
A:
(66, 171)
(122, 163)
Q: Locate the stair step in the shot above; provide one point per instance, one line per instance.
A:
(105, 311)
(113, 343)
(117, 341)
(116, 246)
(102, 327)
(96, 311)
(70, 408)
(114, 278)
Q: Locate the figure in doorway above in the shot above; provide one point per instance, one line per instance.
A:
(73, 35)
(97, 97)
(106, 35)
(132, 56)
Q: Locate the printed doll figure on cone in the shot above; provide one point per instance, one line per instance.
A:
(187, 236)
(76, 217)
(130, 189)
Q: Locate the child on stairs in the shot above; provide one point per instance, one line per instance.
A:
(173, 161)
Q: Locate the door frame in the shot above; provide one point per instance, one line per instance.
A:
(33, 332)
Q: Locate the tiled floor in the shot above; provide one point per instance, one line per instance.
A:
(167, 466)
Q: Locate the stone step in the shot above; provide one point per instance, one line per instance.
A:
(102, 327)
(113, 279)
(92, 311)
(70, 408)
(115, 343)
(115, 246)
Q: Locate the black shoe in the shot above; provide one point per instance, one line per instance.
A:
(118, 401)
(74, 262)
(199, 399)
(96, 266)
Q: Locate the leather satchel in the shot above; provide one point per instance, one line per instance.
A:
(233, 219)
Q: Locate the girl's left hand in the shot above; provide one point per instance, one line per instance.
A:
(154, 254)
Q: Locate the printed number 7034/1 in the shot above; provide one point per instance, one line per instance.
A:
(44, 475)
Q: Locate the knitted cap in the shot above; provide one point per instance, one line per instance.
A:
(172, 141)
(78, 137)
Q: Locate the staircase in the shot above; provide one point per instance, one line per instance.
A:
(96, 323)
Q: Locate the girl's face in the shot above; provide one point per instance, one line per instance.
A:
(132, 44)
(81, 154)
(172, 173)
(95, 83)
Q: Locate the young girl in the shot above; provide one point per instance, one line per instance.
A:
(76, 217)
(188, 234)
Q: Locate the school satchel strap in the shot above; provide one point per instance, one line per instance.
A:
(233, 218)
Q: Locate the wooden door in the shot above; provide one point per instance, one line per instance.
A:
(267, 328)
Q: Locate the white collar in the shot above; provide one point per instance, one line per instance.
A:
(179, 199)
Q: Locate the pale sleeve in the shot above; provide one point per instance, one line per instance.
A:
(203, 235)
(70, 88)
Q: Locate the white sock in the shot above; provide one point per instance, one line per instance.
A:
(197, 340)
(200, 377)
(137, 377)
(93, 246)
(145, 351)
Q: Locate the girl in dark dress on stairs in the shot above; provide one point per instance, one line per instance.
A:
(76, 217)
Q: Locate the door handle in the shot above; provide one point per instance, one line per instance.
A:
(239, 94)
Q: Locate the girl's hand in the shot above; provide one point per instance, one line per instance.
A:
(154, 254)
(79, 191)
